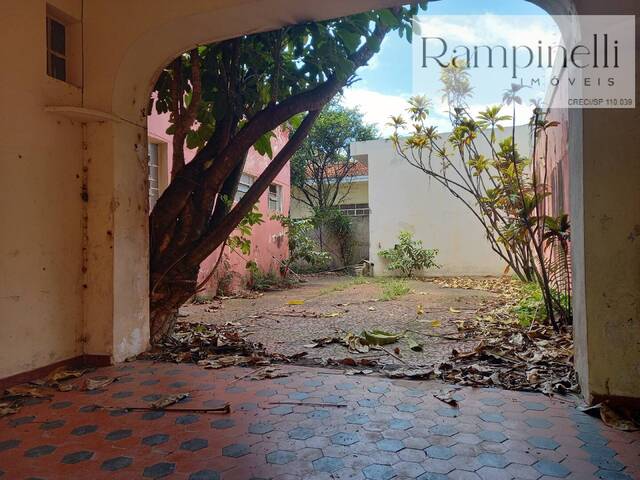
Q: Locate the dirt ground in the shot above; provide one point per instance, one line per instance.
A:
(334, 305)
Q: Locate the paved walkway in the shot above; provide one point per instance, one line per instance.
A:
(313, 424)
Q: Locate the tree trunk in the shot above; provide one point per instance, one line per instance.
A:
(166, 297)
(174, 277)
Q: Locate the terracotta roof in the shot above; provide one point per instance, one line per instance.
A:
(357, 170)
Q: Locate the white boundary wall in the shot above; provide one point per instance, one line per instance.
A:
(402, 197)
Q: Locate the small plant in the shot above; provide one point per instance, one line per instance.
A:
(202, 298)
(531, 306)
(302, 247)
(259, 280)
(408, 255)
(340, 226)
(339, 287)
(225, 283)
(393, 289)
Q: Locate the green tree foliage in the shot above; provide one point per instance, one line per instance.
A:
(227, 97)
(302, 247)
(408, 255)
(322, 165)
(340, 226)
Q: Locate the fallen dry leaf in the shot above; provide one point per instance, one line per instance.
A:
(61, 375)
(618, 418)
(168, 400)
(268, 373)
(96, 384)
(26, 391)
(446, 397)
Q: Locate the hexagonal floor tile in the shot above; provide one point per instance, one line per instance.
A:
(235, 450)
(300, 433)
(552, 469)
(536, 406)
(159, 470)
(77, 457)
(400, 424)
(390, 445)
(444, 430)
(407, 407)
(492, 417)
(260, 428)
(118, 435)
(545, 443)
(328, 464)
(205, 475)
(40, 451)
(493, 460)
(222, 424)
(439, 452)
(281, 410)
(156, 439)
(538, 423)
(357, 418)
(194, 444)
(378, 472)
(280, 457)
(344, 438)
(368, 403)
(492, 436)
(116, 463)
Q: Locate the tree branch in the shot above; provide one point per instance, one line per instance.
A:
(217, 233)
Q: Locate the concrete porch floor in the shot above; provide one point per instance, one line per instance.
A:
(388, 429)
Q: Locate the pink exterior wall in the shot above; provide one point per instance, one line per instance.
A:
(268, 240)
(556, 147)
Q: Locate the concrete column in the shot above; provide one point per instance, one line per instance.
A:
(607, 271)
(605, 208)
(116, 296)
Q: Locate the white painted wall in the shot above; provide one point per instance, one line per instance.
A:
(402, 197)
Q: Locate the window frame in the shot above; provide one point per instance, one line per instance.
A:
(64, 56)
(278, 200)
(239, 194)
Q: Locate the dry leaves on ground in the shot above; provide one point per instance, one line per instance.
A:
(620, 417)
(13, 398)
(513, 357)
(214, 346)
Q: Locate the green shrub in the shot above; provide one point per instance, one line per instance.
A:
(341, 227)
(304, 253)
(259, 280)
(408, 255)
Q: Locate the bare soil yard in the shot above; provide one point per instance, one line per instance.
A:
(288, 321)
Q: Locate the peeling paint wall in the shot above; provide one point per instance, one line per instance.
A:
(40, 200)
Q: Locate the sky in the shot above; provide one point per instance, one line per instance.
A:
(386, 83)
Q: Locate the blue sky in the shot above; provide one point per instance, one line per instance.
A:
(388, 78)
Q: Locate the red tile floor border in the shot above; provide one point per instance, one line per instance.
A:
(313, 424)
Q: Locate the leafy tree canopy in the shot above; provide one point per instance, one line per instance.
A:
(227, 97)
(323, 162)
